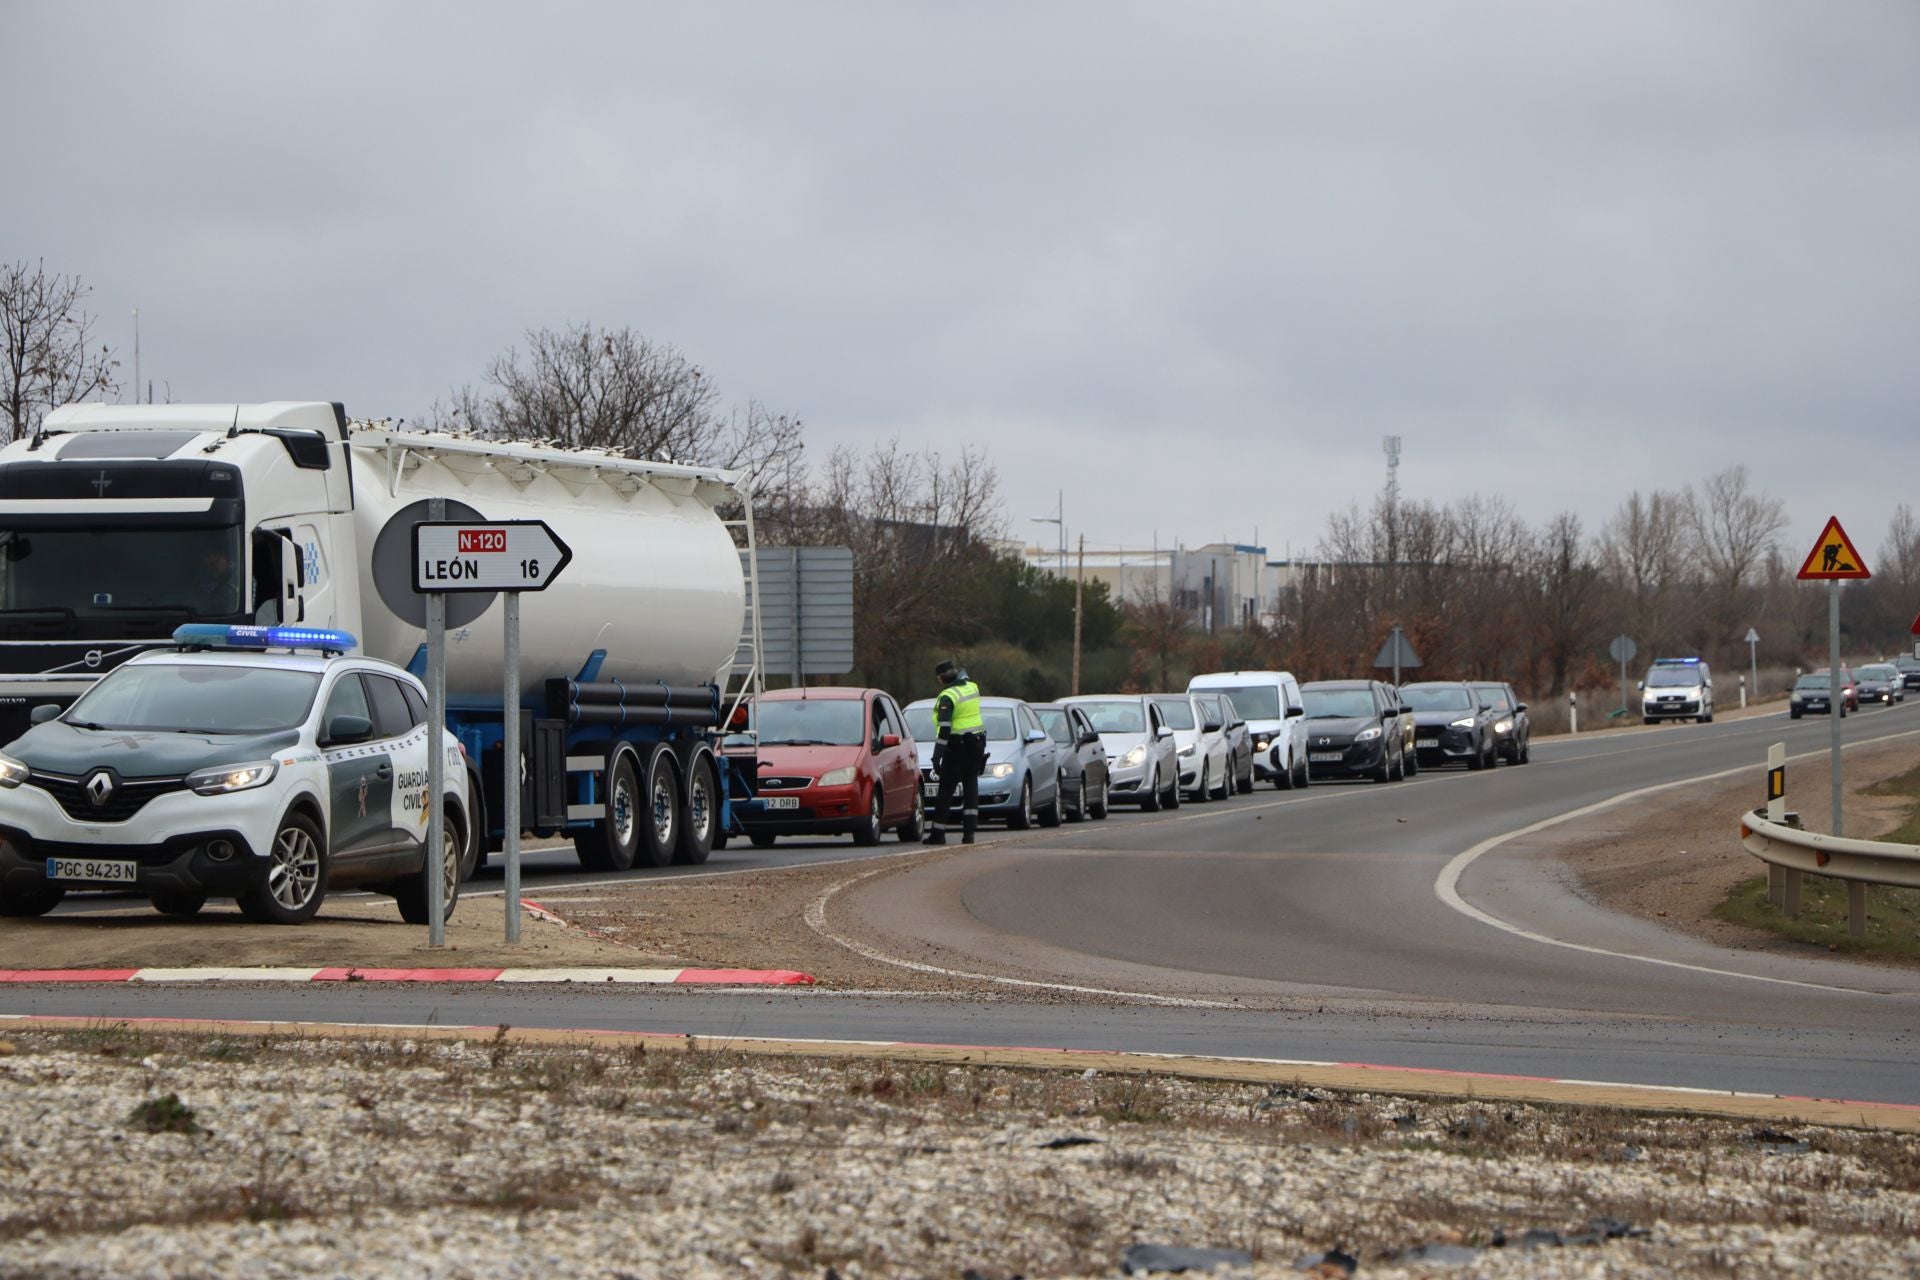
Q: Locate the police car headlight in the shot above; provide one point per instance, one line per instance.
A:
(1366, 735)
(1001, 770)
(837, 777)
(1261, 744)
(1505, 726)
(12, 772)
(1188, 749)
(1136, 756)
(220, 780)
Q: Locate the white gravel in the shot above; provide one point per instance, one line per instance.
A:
(447, 1159)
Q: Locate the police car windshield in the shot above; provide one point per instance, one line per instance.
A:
(123, 573)
(198, 698)
(1673, 677)
(1177, 712)
(835, 722)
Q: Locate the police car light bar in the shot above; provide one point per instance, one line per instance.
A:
(1676, 662)
(211, 635)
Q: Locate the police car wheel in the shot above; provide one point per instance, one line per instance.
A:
(296, 879)
(19, 903)
(410, 892)
(179, 903)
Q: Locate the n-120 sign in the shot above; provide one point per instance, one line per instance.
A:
(497, 555)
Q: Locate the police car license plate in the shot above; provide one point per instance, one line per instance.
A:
(1326, 757)
(99, 869)
(781, 802)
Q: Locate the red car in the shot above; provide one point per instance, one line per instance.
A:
(832, 761)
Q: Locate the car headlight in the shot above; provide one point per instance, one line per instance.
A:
(1261, 744)
(12, 772)
(1366, 735)
(837, 777)
(1189, 749)
(1464, 724)
(1136, 756)
(1505, 726)
(1001, 770)
(221, 779)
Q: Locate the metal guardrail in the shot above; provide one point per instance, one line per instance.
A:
(1790, 852)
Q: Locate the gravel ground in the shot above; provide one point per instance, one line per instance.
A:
(128, 1154)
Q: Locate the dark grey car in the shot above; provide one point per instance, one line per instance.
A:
(1084, 775)
(1512, 730)
(1449, 723)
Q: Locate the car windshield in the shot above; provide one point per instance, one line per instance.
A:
(1118, 716)
(1816, 681)
(121, 572)
(1444, 699)
(818, 722)
(1177, 712)
(1337, 704)
(1673, 677)
(1494, 696)
(997, 720)
(1876, 673)
(1055, 723)
(197, 698)
(1255, 701)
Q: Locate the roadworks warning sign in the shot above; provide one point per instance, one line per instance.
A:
(1833, 556)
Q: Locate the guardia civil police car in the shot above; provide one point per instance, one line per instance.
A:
(257, 763)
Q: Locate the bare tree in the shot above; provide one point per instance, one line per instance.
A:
(49, 357)
(1731, 529)
(1900, 553)
(1571, 589)
(1648, 557)
(615, 389)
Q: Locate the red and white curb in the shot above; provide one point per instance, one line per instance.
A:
(681, 977)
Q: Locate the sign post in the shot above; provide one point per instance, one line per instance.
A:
(1621, 650)
(436, 756)
(1753, 660)
(1833, 560)
(474, 556)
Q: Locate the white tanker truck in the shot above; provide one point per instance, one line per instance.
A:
(119, 523)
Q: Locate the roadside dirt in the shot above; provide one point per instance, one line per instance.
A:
(1675, 858)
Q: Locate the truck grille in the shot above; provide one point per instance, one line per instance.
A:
(128, 797)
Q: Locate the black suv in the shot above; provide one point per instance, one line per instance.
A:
(1512, 730)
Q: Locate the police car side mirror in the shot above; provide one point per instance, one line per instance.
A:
(44, 712)
(345, 730)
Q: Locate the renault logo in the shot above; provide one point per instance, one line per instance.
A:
(100, 788)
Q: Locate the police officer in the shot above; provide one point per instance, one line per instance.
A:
(960, 753)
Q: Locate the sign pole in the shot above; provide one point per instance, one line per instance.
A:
(436, 755)
(1836, 700)
(510, 763)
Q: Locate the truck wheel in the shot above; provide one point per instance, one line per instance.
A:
(410, 892)
(178, 902)
(701, 820)
(660, 813)
(296, 880)
(20, 903)
(866, 832)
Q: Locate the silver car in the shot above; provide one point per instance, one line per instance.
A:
(1021, 782)
(1141, 752)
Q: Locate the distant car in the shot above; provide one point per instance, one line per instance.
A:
(1084, 772)
(1352, 729)
(1812, 694)
(1409, 750)
(1141, 752)
(833, 761)
(1270, 701)
(1450, 723)
(1677, 689)
(1909, 668)
(1239, 737)
(1512, 728)
(1879, 682)
(1022, 782)
(1202, 752)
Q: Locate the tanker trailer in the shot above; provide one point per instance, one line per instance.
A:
(625, 657)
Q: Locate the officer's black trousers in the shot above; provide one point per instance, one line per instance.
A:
(965, 756)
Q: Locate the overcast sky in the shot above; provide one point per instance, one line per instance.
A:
(1187, 262)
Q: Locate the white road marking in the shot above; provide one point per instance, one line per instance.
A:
(1446, 886)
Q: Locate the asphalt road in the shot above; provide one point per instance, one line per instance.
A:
(1323, 904)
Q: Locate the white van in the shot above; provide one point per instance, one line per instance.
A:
(1270, 701)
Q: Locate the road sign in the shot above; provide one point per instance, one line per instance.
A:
(1916, 626)
(490, 555)
(1753, 637)
(1833, 556)
(1397, 652)
(1622, 649)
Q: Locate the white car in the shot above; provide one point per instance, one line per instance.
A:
(256, 763)
(1205, 758)
(1270, 700)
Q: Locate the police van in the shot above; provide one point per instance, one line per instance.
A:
(262, 764)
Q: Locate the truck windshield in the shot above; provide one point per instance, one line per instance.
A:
(197, 698)
(170, 572)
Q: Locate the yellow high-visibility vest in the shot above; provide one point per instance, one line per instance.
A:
(962, 703)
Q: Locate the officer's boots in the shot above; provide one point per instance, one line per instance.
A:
(967, 825)
(936, 836)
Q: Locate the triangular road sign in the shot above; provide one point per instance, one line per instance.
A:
(1833, 556)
